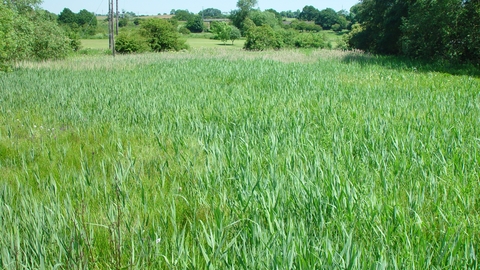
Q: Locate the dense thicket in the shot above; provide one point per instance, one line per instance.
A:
(27, 32)
(428, 29)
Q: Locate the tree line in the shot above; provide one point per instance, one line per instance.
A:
(27, 33)
(424, 29)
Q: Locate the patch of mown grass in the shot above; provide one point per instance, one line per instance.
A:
(221, 159)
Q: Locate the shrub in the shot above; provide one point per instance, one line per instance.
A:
(310, 40)
(184, 31)
(130, 42)
(263, 38)
(123, 22)
(289, 37)
(137, 21)
(161, 35)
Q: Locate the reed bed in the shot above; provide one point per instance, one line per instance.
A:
(225, 160)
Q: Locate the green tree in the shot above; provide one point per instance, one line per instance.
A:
(22, 6)
(50, 41)
(222, 31)
(309, 13)
(131, 42)
(195, 24)
(162, 35)
(234, 33)
(327, 18)
(239, 15)
(183, 15)
(211, 13)
(263, 38)
(67, 17)
(7, 37)
(123, 22)
(381, 26)
(29, 33)
(264, 18)
(447, 29)
(85, 17)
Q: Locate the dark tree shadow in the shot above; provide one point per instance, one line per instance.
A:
(407, 64)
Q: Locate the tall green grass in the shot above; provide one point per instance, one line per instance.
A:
(218, 159)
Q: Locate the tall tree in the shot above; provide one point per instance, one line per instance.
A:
(309, 13)
(244, 8)
(67, 16)
(381, 22)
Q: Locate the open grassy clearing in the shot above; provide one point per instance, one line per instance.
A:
(213, 159)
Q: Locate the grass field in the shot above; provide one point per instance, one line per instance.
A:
(102, 44)
(215, 159)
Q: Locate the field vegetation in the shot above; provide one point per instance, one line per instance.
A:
(220, 158)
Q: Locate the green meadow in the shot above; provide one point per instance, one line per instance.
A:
(225, 159)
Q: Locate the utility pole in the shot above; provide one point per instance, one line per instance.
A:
(109, 24)
(111, 28)
(117, 21)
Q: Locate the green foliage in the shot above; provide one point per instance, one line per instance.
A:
(195, 24)
(161, 35)
(67, 16)
(264, 18)
(211, 13)
(225, 32)
(240, 15)
(29, 36)
(309, 13)
(310, 40)
(131, 42)
(448, 32)
(84, 22)
(86, 18)
(290, 14)
(247, 25)
(75, 42)
(50, 42)
(222, 31)
(137, 21)
(123, 22)
(234, 33)
(184, 30)
(305, 26)
(285, 160)
(328, 17)
(183, 15)
(421, 29)
(7, 37)
(263, 38)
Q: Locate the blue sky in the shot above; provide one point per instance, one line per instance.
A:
(153, 7)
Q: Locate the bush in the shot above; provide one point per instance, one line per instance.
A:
(30, 37)
(289, 37)
(129, 42)
(305, 26)
(123, 22)
(161, 35)
(137, 21)
(184, 31)
(263, 38)
(310, 40)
